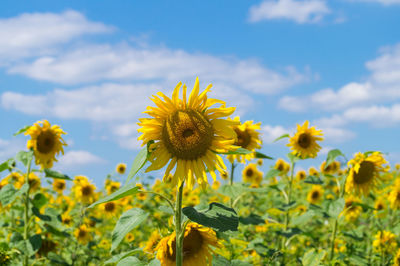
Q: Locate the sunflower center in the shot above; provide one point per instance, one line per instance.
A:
(60, 185)
(45, 142)
(365, 173)
(187, 134)
(192, 243)
(315, 195)
(249, 172)
(379, 207)
(110, 207)
(398, 196)
(304, 140)
(243, 138)
(82, 233)
(87, 191)
(280, 167)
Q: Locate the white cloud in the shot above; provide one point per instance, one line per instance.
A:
(307, 11)
(37, 33)
(337, 135)
(270, 133)
(9, 148)
(383, 2)
(374, 115)
(76, 159)
(127, 63)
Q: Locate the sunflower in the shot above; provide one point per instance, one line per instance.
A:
(364, 172)
(248, 138)
(397, 258)
(112, 186)
(394, 197)
(59, 185)
(282, 166)
(188, 134)
(301, 175)
(34, 182)
(129, 237)
(351, 210)
(315, 194)
(385, 242)
(121, 168)
(109, 209)
(104, 244)
(82, 234)
(14, 178)
(380, 207)
(313, 172)
(46, 142)
(85, 191)
(197, 242)
(152, 242)
(249, 173)
(224, 175)
(66, 219)
(304, 143)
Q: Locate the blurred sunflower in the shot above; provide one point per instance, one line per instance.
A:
(282, 166)
(46, 142)
(380, 207)
(34, 182)
(351, 210)
(364, 173)
(59, 185)
(249, 173)
(385, 242)
(313, 172)
(85, 191)
(82, 234)
(197, 243)
(315, 194)
(224, 175)
(151, 244)
(121, 168)
(109, 209)
(248, 138)
(397, 258)
(188, 134)
(301, 175)
(129, 237)
(304, 143)
(394, 197)
(14, 178)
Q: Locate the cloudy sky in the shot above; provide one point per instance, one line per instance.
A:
(91, 68)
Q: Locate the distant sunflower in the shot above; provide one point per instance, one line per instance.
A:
(188, 134)
(313, 172)
(301, 175)
(304, 143)
(152, 242)
(129, 237)
(109, 209)
(380, 207)
(394, 197)
(82, 234)
(34, 182)
(249, 173)
(351, 209)
(121, 168)
(397, 258)
(85, 192)
(364, 174)
(385, 242)
(59, 185)
(224, 175)
(197, 244)
(315, 194)
(46, 142)
(282, 166)
(248, 138)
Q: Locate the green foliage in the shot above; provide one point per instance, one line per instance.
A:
(313, 257)
(332, 155)
(55, 174)
(129, 189)
(22, 130)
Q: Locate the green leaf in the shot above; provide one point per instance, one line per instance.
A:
(281, 137)
(242, 151)
(272, 173)
(8, 193)
(42, 217)
(55, 174)
(128, 220)
(129, 189)
(332, 154)
(313, 258)
(7, 165)
(36, 242)
(260, 155)
(166, 209)
(252, 219)
(22, 130)
(302, 219)
(138, 163)
(293, 158)
(232, 191)
(287, 206)
(24, 157)
(39, 200)
(129, 261)
(118, 257)
(313, 180)
(25, 247)
(336, 207)
(290, 232)
(218, 217)
(221, 261)
(154, 262)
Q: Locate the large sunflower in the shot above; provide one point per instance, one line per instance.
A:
(364, 173)
(197, 244)
(46, 142)
(188, 134)
(304, 143)
(248, 138)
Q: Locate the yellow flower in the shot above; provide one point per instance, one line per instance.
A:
(85, 191)
(197, 244)
(152, 242)
(249, 173)
(385, 242)
(315, 194)
(46, 142)
(248, 138)
(104, 244)
(82, 234)
(332, 168)
(14, 178)
(394, 197)
(340, 246)
(188, 134)
(301, 175)
(216, 184)
(121, 168)
(282, 166)
(397, 258)
(129, 237)
(224, 175)
(351, 210)
(59, 185)
(34, 182)
(364, 172)
(66, 219)
(380, 207)
(313, 172)
(304, 143)
(109, 209)
(112, 186)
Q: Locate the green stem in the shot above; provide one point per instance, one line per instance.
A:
(178, 227)
(26, 213)
(231, 181)
(333, 237)
(287, 215)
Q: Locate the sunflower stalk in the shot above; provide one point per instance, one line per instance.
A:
(231, 181)
(26, 208)
(178, 226)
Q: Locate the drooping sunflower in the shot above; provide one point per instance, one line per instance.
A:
(364, 174)
(315, 194)
(248, 138)
(304, 143)
(151, 244)
(188, 134)
(46, 142)
(197, 244)
(121, 168)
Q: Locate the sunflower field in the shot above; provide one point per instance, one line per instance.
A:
(209, 202)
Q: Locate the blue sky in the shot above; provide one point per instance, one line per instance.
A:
(91, 66)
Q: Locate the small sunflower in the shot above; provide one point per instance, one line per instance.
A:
(46, 142)
(282, 166)
(301, 175)
(112, 186)
(380, 207)
(85, 191)
(121, 168)
(129, 237)
(34, 182)
(364, 173)
(224, 175)
(385, 242)
(110, 209)
(351, 210)
(248, 138)
(315, 194)
(14, 178)
(197, 244)
(188, 134)
(304, 143)
(394, 197)
(152, 242)
(82, 234)
(313, 172)
(59, 185)
(249, 173)
(397, 258)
